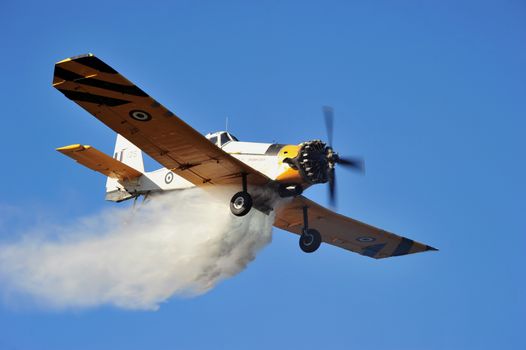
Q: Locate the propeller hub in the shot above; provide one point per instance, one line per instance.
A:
(332, 157)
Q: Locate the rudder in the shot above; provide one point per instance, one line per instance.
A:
(129, 154)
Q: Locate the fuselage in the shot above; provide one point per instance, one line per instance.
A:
(264, 157)
(292, 167)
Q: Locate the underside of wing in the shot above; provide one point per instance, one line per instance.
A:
(131, 112)
(345, 232)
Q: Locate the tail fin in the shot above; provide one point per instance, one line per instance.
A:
(129, 154)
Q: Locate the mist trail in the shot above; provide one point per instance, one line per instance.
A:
(181, 243)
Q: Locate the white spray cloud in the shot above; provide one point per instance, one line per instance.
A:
(181, 243)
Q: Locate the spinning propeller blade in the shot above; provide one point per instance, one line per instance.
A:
(333, 158)
(332, 187)
(355, 163)
(328, 113)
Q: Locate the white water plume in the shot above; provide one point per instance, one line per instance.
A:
(180, 243)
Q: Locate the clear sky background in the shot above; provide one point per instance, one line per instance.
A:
(431, 93)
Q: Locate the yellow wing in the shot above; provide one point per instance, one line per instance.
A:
(345, 232)
(96, 160)
(131, 112)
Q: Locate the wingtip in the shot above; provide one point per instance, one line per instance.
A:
(429, 248)
(89, 54)
(74, 147)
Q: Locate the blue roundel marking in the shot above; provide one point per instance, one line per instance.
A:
(168, 177)
(365, 239)
(139, 115)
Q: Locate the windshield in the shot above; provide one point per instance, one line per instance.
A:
(224, 138)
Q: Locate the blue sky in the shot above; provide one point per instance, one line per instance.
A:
(431, 94)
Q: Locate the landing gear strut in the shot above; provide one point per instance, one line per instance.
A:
(241, 202)
(310, 239)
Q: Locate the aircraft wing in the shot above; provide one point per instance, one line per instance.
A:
(129, 111)
(345, 232)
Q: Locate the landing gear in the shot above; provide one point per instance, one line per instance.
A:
(310, 239)
(241, 202)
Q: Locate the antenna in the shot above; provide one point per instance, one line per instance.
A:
(226, 124)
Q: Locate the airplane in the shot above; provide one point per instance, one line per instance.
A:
(190, 159)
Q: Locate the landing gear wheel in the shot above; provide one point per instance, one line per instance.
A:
(241, 203)
(310, 240)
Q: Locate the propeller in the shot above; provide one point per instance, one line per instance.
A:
(328, 113)
(333, 158)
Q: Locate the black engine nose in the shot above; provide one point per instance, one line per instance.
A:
(312, 162)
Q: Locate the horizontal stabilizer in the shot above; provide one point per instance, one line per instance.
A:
(98, 161)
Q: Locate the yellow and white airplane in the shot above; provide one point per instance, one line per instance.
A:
(190, 159)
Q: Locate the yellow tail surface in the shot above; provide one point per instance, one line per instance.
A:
(96, 160)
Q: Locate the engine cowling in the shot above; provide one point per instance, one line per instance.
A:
(312, 162)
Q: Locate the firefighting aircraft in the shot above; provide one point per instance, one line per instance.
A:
(190, 159)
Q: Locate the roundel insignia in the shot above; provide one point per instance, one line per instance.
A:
(139, 115)
(168, 177)
(365, 239)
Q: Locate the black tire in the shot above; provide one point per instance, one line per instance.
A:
(241, 203)
(310, 240)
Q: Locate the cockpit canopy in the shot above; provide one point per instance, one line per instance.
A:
(221, 138)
